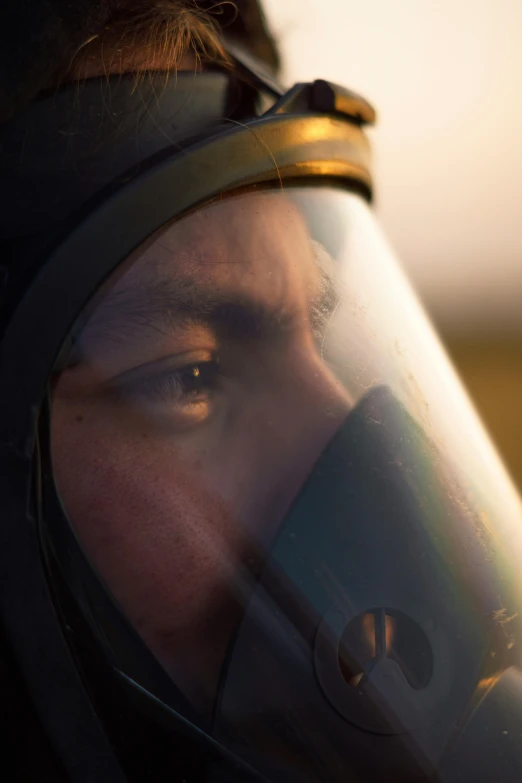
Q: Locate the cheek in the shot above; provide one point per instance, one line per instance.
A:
(162, 541)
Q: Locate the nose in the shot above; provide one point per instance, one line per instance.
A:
(289, 425)
(311, 403)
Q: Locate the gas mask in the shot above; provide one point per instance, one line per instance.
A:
(252, 526)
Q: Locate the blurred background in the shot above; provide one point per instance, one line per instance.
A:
(446, 79)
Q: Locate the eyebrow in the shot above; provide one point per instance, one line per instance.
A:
(166, 303)
(161, 304)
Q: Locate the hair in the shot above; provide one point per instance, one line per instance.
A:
(147, 33)
(47, 42)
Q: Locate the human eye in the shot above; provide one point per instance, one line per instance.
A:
(182, 388)
(185, 385)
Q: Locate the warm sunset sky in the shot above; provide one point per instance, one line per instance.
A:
(446, 79)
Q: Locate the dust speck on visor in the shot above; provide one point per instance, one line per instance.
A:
(279, 545)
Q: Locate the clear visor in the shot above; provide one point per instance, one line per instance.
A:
(265, 455)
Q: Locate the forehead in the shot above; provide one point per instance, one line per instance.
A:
(252, 241)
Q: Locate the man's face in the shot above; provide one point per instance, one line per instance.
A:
(195, 408)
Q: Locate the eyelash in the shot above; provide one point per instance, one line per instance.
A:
(184, 385)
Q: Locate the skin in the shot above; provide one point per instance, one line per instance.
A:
(176, 487)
